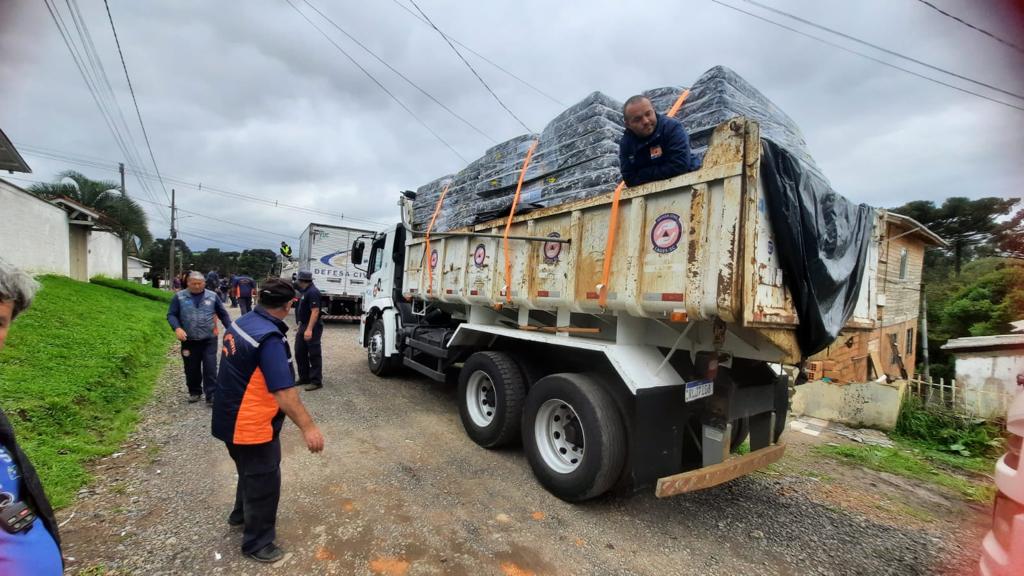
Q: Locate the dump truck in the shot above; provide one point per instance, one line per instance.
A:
(647, 359)
(324, 251)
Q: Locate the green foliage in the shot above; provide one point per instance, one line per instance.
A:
(940, 429)
(158, 255)
(968, 225)
(143, 290)
(910, 464)
(988, 295)
(76, 368)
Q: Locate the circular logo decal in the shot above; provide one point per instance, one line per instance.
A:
(666, 233)
(479, 255)
(433, 258)
(552, 249)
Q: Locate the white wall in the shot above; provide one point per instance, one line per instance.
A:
(988, 380)
(104, 254)
(33, 233)
(136, 270)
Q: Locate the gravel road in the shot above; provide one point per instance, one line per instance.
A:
(401, 490)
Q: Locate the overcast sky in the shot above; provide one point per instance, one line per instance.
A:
(248, 97)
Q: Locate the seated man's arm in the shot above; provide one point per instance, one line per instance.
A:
(676, 152)
(629, 173)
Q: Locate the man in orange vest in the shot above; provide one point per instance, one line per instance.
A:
(255, 391)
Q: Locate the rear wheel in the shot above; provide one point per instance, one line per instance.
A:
(380, 364)
(491, 393)
(574, 436)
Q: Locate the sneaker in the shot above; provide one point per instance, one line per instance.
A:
(269, 554)
(235, 522)
(193, 398)
(313, 386)
(302, 382)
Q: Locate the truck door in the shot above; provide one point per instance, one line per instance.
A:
(380, 271)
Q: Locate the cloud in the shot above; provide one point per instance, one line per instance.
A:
(249, 98)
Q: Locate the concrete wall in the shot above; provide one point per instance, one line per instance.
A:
(104, 254)
(862, 405)
(987, 380)
(33, 233)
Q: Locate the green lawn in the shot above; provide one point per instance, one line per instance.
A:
(76, 368)
(928, 465)
(135, 288)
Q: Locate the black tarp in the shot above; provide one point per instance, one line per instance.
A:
(822, 240)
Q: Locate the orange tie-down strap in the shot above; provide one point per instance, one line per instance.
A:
(613, 224)
(426, 252)
(508, 223)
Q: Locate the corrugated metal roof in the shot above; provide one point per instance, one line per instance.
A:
(10, 159)
(999, 341)
(917, 228)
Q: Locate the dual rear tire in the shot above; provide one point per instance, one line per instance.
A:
(570, 427)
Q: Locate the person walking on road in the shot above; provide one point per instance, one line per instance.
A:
(308, 352)
(31, 545)
(245, 286)
(255, 391)
(193, 316)
(233, 290)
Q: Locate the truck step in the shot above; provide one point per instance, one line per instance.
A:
(718, 473)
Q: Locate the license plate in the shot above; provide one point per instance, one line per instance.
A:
(699, 389)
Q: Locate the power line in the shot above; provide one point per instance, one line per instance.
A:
(969, 25)
(142, 175)
(377, 82)
(183, 232)
(484, 58)
(92, 84)
(869, 57)
(470, 66)
(131, 89)
(100, 74)
(400, 75)
(885, 50)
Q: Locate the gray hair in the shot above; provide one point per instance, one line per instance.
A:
(196, 276)
(16, 286)
(634, 100)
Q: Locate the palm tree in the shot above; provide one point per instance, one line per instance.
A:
(126, 217)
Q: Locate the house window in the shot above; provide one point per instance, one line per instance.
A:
(910, 342)
(894, 349)
(903, 263)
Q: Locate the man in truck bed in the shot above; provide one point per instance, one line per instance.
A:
(654, 146)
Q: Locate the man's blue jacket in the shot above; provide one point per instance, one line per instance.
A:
(663, 154)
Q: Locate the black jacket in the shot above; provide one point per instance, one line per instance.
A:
(33, 493)
(663, 154)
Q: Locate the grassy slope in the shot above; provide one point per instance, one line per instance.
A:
(77, 367)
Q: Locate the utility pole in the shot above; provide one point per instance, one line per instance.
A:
(124, 231)
(174, 234)
(924, 334)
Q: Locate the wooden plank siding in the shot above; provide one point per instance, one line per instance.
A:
(849, 357)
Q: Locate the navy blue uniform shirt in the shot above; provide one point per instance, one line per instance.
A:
(310, 299)
(663, 154)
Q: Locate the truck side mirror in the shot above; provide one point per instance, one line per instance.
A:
(357, 252)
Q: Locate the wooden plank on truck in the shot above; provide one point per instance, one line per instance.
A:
(718, 473)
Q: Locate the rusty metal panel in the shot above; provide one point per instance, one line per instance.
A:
(662, 283)
(481, 268)
(549, 283)
(451, 274)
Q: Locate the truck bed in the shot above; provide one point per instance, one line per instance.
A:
(695, 247)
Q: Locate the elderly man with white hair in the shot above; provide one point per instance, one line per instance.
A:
(29, 542)
(193, 316)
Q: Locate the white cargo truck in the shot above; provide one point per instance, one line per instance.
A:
(653, 372)
(324, 251)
